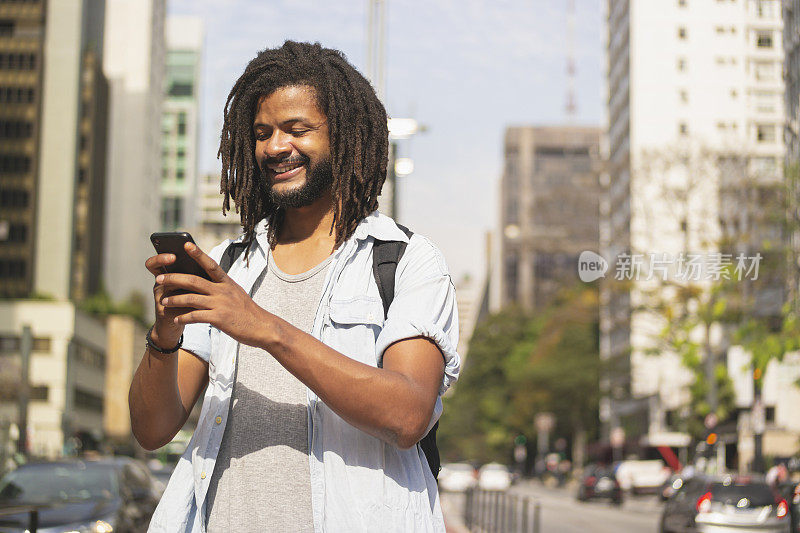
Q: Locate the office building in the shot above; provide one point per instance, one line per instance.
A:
(134, 65)
(695, 114)
(180, 123)
(52, 124)
(549, 197)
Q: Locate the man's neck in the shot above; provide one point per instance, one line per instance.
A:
(312, 222)
(306, 238)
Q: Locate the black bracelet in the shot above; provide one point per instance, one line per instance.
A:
(152, 345)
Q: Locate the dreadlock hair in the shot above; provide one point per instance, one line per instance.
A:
(357, 124)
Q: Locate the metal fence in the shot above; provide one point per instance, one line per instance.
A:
(493, 511)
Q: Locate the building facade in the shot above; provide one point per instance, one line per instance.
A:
(549, 198)
(52, 167)
(695, 113)
(180, 123)
(134, 65)
(791, 46)
(66, 376)
(212, 226)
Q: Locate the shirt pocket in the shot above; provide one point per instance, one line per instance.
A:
(354, 327)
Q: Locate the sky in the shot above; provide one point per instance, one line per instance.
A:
(466, 69)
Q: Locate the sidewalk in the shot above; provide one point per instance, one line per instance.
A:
(452, 511)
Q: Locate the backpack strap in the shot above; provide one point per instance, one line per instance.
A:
(385, 256)
(231, 254)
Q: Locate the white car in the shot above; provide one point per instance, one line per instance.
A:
(642, 476)
(457, 477)
(494, 476)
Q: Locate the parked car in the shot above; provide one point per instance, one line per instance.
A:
(457, 477)
(642, 476)
(670, 487)
(790, 491)
(680, 510)
(599, 483)
(494, 476)
(97, 496)
(794, 509)
(726, 504)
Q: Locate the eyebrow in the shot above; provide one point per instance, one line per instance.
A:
(288, 121)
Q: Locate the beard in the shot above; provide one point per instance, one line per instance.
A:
(319, 177)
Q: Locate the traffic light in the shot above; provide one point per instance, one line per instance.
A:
(520, 440)
(711, 439)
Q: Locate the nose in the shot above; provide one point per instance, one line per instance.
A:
(278, 146)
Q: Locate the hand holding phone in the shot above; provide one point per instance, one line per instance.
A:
(165, 331)
(174, 243)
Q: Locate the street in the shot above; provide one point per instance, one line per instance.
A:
(561, 512)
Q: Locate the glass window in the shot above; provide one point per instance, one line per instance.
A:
(764, 39)
(765, 133)
(55, 482)
(6, 28)
(180, 89)
(181, 123)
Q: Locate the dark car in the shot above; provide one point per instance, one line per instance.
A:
(97, 496)
(727, 503)
(599, 483)
(791, 492)
(681, 508)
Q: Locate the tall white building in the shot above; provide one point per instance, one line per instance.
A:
(690, 83)
(134, 66)
(180, 123)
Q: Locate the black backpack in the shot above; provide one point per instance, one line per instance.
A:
(385, 256)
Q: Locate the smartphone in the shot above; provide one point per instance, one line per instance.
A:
(172, 243)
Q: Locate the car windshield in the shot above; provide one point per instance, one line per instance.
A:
(744, 495)
(59, 482)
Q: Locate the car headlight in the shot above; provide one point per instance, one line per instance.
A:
(101, 526)
(104, 525)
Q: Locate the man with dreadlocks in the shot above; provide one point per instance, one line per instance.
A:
(315, 395)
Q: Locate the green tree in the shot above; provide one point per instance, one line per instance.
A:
(519, 365)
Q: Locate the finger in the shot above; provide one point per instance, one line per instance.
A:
(157, 263)
(195, 301)
(194, 317)
(209, 265)
(187, 282)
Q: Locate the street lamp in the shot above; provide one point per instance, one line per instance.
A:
(400, 129)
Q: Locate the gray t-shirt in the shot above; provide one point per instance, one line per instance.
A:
(261, 480)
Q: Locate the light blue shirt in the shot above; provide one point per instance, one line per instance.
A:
(358, 482)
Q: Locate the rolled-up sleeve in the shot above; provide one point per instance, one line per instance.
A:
(197, 337)
(424, 306)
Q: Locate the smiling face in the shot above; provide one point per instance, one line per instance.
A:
(292, 146)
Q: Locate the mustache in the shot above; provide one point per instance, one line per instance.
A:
(286, 160)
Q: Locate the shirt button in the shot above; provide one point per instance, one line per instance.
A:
(203, 475)
(218, 420)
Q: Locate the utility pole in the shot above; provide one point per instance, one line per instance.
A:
(376, 46)
(376, 73)
(571, 106)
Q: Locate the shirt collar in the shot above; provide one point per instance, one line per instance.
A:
(375, 225)
(380, 227)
